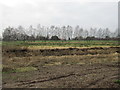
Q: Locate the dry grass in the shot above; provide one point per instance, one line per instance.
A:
(23, 68)
(56, 47)
(59, 60)
(91, 56)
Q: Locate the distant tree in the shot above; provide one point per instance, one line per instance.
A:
(69, 39)
(41, 38)
(69, 32)
(8, 34)
(76, 31)
(55, 38)
(63, 35)
(100, 33)
(90, 38)
(78, 38)
(106, 33)
(116, 33)
(85, 34)
(51, 31)
(107, 37)
(56, 33)
(31, 31)
(92, 32)
(20, 32)
(47, 38)
(39, 30)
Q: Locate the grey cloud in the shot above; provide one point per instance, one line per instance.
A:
(100, 14)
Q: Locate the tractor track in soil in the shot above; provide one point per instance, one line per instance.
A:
(101, 75)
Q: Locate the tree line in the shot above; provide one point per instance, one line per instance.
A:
(57, 33)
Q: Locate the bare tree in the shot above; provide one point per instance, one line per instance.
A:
(64, 32)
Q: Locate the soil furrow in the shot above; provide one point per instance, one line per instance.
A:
(94, 83)
(54, 78)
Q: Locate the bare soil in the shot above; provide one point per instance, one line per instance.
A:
(95, 67)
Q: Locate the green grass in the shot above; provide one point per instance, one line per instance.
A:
(25, 69)
(117, 81)
(21, 69)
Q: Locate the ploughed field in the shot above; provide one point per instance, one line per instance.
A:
(38, 65)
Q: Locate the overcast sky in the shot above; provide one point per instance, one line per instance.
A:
(58, 12)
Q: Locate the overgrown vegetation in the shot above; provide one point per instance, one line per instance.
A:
(7, 70)
(117, 81)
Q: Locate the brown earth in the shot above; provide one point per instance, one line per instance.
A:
(95, 67)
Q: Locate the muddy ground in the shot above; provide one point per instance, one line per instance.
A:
(95, 67)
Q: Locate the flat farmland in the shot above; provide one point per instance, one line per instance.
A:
(60, 64)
